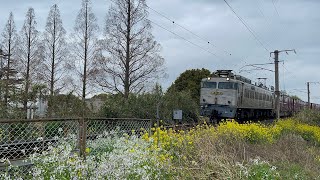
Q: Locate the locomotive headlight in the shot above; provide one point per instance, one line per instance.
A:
(228, 79)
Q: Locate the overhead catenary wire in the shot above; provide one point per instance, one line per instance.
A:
(185, 39)
(285, 28)
(300, 90)
(247, 27)
(260, 10)
(258, 68)
(275, 8)
(191, 32)
(267, 20)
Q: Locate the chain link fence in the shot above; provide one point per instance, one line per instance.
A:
(21, 138)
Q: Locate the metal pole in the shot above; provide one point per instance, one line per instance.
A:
(308, 86)
(277, 92)
(82, 137)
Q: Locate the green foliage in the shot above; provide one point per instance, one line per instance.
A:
(190, 81)
(293, 171)
(295, 97)
(180, 100)
(309, 116)
(67, 105)
(11, 110)
(263, 171)
(145, 105)
(36, 91)
(137, 105)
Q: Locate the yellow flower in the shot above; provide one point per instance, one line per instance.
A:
(79, 174)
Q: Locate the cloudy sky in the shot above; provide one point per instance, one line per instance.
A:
(274, 24)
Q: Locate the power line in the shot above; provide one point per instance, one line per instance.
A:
(245, 24)
(191, 32)
(185, 39)
(302, 91)
(285, 28)
(275, 8)
(267, 20)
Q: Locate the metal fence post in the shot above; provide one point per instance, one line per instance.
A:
(82, 137)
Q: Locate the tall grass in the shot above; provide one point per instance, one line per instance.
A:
(285, 149)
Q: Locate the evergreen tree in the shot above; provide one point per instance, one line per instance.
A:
(190, 81)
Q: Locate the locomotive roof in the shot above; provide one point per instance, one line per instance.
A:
(231, 75)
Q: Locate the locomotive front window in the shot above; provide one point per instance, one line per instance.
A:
(212, 85)
(235, 85)
(227, 85)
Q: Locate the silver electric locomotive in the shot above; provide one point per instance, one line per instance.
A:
(228, 96)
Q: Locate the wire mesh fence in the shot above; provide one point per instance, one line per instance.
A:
(21, 138)
(98, 126)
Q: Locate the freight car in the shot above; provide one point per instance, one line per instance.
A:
(225, 95)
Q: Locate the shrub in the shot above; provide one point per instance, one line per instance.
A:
(308, 116)
(308, 132)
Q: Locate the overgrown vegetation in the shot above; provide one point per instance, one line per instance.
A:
(227, 151)
(309, 116)
(189, 81)
(183, 94)
(145, 106)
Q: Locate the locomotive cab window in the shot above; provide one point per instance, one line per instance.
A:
(227, 85)
(212, 85)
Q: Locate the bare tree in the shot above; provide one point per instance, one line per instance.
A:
(55, 52)
(86, 49)
(9, 45)
(28, 53)
(134, 54)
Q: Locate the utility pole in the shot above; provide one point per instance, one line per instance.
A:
(276, 72)
(277, 92)
(308, 86)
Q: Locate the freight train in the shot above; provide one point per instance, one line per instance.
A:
(225, 95)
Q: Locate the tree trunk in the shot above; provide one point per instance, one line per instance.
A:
(126, 78)
(50, 102)
(85, 61)
(7, 74)
(25, 100)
